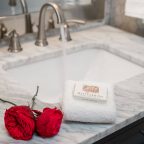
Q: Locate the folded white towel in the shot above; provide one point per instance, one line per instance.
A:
(135, 8)
(86, 110)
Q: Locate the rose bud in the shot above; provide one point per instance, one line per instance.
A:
(19, 122)
(48, 123)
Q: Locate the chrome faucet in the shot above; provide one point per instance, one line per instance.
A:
(24, 7)
(41, 37)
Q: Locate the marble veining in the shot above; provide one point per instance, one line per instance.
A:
(129, 94)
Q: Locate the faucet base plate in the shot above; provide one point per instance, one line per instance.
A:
(41, 43)
(15, 50)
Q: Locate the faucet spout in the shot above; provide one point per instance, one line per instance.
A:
(41, 37)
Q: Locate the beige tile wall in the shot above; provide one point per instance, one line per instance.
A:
(118, 18)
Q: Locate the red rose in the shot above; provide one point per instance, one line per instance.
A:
(48, 123)
(19, 121)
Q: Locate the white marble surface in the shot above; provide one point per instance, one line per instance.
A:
(129, 93)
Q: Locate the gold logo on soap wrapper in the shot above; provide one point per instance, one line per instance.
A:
(92, 89)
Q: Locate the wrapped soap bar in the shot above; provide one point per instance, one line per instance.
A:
(91, 90)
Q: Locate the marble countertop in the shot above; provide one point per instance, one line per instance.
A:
(129, 94)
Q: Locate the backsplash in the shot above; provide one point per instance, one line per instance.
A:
(118, 18)
(90, 12)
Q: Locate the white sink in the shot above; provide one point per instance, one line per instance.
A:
(90, 64)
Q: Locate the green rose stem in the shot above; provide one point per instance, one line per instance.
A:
(5, 101)
(34, 97)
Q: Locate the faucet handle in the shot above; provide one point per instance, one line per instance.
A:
(77, 21)
(14, 43)
(51, 22)
(3, 30)
(66, 28)
(34, 27)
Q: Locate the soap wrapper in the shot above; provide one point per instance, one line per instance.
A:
(89, 90)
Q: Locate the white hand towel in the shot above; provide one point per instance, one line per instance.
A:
(85, 110)
(135, 8)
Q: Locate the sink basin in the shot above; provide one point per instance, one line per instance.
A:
(90, 64)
